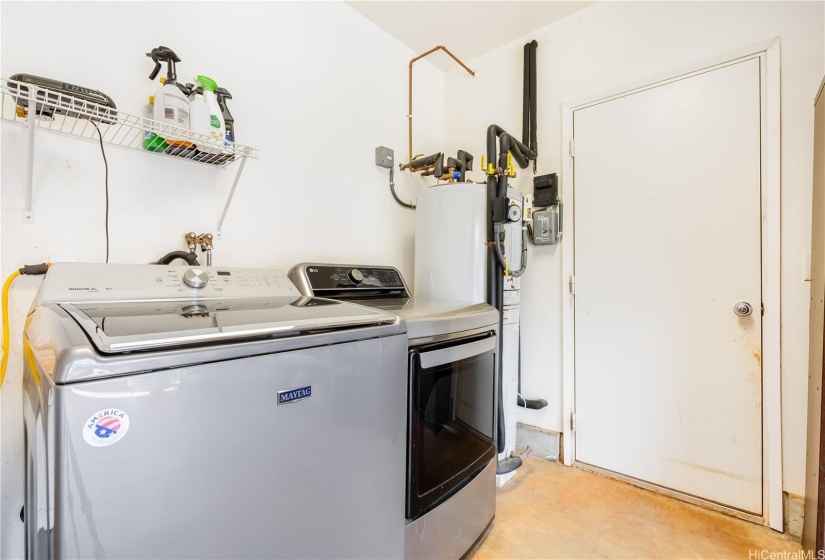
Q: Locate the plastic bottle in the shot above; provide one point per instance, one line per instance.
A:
(171, 103)
(223, 95)
(151, 141)
(200, 118)
(217, 126)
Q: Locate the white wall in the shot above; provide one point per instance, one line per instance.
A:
(316, 87)
(613, 43)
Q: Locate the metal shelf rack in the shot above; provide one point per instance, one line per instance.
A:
(37, 108)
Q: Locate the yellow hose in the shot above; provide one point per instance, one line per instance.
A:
(6, 288)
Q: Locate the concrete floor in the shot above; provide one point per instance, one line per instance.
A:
(551, 511)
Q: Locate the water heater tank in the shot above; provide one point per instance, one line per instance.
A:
(450, 237)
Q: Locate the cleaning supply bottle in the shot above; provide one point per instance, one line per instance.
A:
(217, 126)
(223, 95)
(171, 103)
(151, 141)
(200, 117)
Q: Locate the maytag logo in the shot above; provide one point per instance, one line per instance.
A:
(294, 395)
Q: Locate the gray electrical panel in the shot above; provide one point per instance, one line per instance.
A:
(546, 226)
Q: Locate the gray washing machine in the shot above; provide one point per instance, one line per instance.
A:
(178, 412)
(451, 401)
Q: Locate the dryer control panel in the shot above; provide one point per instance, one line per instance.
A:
(87, 282)
(342, 280)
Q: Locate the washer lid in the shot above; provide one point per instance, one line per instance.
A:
(125, 327)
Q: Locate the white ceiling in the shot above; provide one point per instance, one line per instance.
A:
(469, 28)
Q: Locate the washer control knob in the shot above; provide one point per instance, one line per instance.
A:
(355, 276)
(195, 278)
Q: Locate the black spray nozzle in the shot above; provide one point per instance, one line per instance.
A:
(223, 96)
(164, 54)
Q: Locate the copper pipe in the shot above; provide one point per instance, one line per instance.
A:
(410, 114)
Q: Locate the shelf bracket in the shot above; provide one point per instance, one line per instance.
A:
(28, 213)
(229, 198)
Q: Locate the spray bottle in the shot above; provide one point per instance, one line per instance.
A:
(171, 103)
(223, 95)
(200, 116)
(217, 126)
(151, 141)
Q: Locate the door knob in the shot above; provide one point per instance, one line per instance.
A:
(743, 308)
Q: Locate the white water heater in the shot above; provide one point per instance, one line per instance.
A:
(450, 265)
(450, 237)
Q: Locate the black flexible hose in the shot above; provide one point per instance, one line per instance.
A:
(509, 465)
(189, 257)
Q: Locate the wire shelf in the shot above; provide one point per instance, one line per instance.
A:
(69, 115)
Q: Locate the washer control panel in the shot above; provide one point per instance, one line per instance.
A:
(325, 279)
(78, 282)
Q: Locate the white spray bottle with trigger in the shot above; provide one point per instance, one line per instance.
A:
(200, 115)
(216, 124)
(171, 103)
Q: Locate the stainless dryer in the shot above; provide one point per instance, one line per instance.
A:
(451, 403)
(177, 412)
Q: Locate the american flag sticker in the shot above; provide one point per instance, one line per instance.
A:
(106, 427)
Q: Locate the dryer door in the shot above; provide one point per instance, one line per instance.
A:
(451, 423)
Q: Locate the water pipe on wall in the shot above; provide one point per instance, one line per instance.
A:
(429, 162)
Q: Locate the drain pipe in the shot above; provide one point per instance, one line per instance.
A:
(496, 188)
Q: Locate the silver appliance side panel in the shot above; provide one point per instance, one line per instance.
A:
(212, 466)
(38, 442)
(449, 530)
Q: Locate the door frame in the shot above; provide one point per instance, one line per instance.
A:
(768, 52)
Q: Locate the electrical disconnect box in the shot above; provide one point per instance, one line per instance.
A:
(545, 190)
(384, 157)
(546, 226)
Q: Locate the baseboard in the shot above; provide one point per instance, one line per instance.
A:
(794, 509)
(544, 443)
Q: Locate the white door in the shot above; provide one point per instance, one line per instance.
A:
(668, 240)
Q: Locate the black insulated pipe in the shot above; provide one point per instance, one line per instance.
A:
(497, 188)
(521, 153)
(425, 161)
(525, 109)
(495, 289)
(533, 118)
